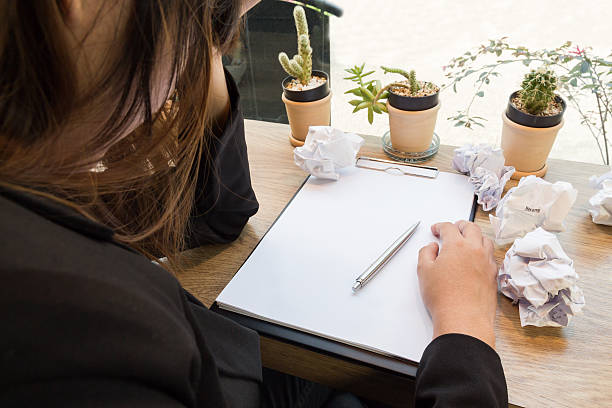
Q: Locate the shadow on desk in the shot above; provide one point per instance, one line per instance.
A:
(388, 388)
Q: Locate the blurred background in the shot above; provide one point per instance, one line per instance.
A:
(423, 35)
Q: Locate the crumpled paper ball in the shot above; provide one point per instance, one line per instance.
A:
(326, 150)
(485, 166)
(539, 276)
(533, 203)
(600, 205)
(597, 182)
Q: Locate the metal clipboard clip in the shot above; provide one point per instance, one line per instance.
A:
(388, 166)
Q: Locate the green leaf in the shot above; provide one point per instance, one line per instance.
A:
(460, 123)
(526, 62)
(355, 102)
(574, 82)
(376, 108)
(584, 67)
(384, 95)
(481, 93)
(576, 68)
(366, 93)
(370, 114)
(382, 107)
(355, 91)
(368, 73)
(377, 86)
(361, 106)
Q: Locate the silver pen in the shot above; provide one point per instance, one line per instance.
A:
(377, 265)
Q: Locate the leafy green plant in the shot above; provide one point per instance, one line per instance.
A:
(300, 66)
(371, 92)
(581, 75)
(538, 91)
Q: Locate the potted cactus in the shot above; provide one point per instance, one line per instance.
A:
(412, 106)
(306, 93)
(531, 123)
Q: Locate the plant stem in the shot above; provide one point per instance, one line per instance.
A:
(585, 117)
(603, 112)
(482, 80)
(603, 129)
(386, 88)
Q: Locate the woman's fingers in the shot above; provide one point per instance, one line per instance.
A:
(428, 254)
(470, 231)
(446, 231)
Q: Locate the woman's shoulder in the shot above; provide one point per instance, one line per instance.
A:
(41, 234)
(73, 302)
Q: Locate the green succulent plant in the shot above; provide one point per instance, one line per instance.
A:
(538, 90)
(300, 66)
(371, 92)
(410, 76)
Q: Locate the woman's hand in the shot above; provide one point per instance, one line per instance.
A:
(219, 102)
(458, 281)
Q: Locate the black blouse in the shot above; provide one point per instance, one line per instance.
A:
(87, 322)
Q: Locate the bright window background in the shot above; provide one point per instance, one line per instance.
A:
(425, 34)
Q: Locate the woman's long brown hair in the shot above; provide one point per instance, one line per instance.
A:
(145, 185)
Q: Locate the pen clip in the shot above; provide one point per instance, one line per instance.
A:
(388, 166)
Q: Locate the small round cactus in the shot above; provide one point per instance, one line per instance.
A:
(538, 91)
(300, 66)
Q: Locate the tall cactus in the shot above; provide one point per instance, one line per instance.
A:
(300, 66)
(538, 90)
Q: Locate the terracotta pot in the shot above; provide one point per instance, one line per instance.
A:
(311, 107)
(302, 115)
(527, 148)
(412, 131)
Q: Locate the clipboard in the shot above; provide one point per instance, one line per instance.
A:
(321, 344)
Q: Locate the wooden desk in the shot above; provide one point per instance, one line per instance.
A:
(561, 367)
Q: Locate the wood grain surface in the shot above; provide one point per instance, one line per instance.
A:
(544, 367)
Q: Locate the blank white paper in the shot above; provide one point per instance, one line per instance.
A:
(301, 273)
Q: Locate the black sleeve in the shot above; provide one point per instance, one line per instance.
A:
(224, 198)
(460, 371)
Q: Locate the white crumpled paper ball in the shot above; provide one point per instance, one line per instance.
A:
(534, 203)
(539, 276)
(326, 150)
(600, 205)
(485, 166)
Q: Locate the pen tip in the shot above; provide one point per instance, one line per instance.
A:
(356, 286)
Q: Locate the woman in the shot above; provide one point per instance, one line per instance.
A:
(99, 175)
